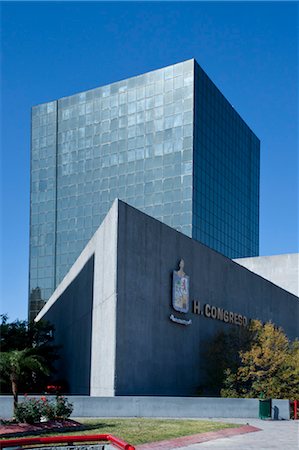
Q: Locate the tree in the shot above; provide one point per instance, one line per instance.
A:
(37, 339)
(21, 334)
(269, 367)
(220, 353)
(13, 335)
(15, 363)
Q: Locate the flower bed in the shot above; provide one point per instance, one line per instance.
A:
(32, 410)
(11, 428)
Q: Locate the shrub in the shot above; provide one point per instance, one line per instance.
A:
(29, 411)
(60, 408)
(48, 409)
(63, 407)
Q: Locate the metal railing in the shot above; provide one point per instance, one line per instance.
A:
(69, 440)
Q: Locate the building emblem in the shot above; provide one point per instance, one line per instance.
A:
(180, 289)
(180, 294)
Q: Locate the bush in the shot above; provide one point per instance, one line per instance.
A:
(48, 409)
(63, 407)
(29, 411)
(60, 408)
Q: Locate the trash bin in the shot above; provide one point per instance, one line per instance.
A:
(265, 408)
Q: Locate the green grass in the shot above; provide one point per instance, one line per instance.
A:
(141, 431)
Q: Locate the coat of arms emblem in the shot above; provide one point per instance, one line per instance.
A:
(180, 289)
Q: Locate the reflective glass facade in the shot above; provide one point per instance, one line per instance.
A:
(141, 140)
(226, 174)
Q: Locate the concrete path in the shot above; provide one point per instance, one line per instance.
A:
(274, 435)
(186, 441)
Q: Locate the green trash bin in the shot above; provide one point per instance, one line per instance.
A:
(265, 408)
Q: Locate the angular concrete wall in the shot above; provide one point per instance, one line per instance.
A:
(155, 356)
(72, 317)
(134, 348)
(104, 307)
(83, 310)
(282, 270)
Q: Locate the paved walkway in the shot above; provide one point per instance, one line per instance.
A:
(274, 435)
(186, 441)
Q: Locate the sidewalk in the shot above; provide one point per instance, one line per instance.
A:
(188, 441)
(274, 435)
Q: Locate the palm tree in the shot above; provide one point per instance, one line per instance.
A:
(16, 362)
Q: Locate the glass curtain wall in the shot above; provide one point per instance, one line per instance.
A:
(131, 140)
(226, 174)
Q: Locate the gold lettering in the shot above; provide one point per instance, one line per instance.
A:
(215, 312)
(207, 310)
(196, 307)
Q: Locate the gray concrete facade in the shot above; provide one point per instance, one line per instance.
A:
(176, 407)
(73, 330)
(282, 270)
(135, 348)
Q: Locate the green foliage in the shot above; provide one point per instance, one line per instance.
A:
(48, 408)
(16, 363)
(21, 334)
(269, 367)
(223, 352)
(36, 341)
(63, 407)
(13, 336)
(29, 411)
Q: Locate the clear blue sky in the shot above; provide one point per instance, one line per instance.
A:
(50, 50)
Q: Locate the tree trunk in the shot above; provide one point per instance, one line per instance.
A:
(14, 388)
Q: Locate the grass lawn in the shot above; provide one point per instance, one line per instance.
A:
(141, 431)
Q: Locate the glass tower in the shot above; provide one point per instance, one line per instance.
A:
(167, 142)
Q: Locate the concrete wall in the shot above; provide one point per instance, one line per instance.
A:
(83, 310)
(282, 270)
(155, 356)
(175, 407)
(104, 307)
(72, 317)
(135, 348)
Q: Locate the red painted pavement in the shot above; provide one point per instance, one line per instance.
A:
(197, 438)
